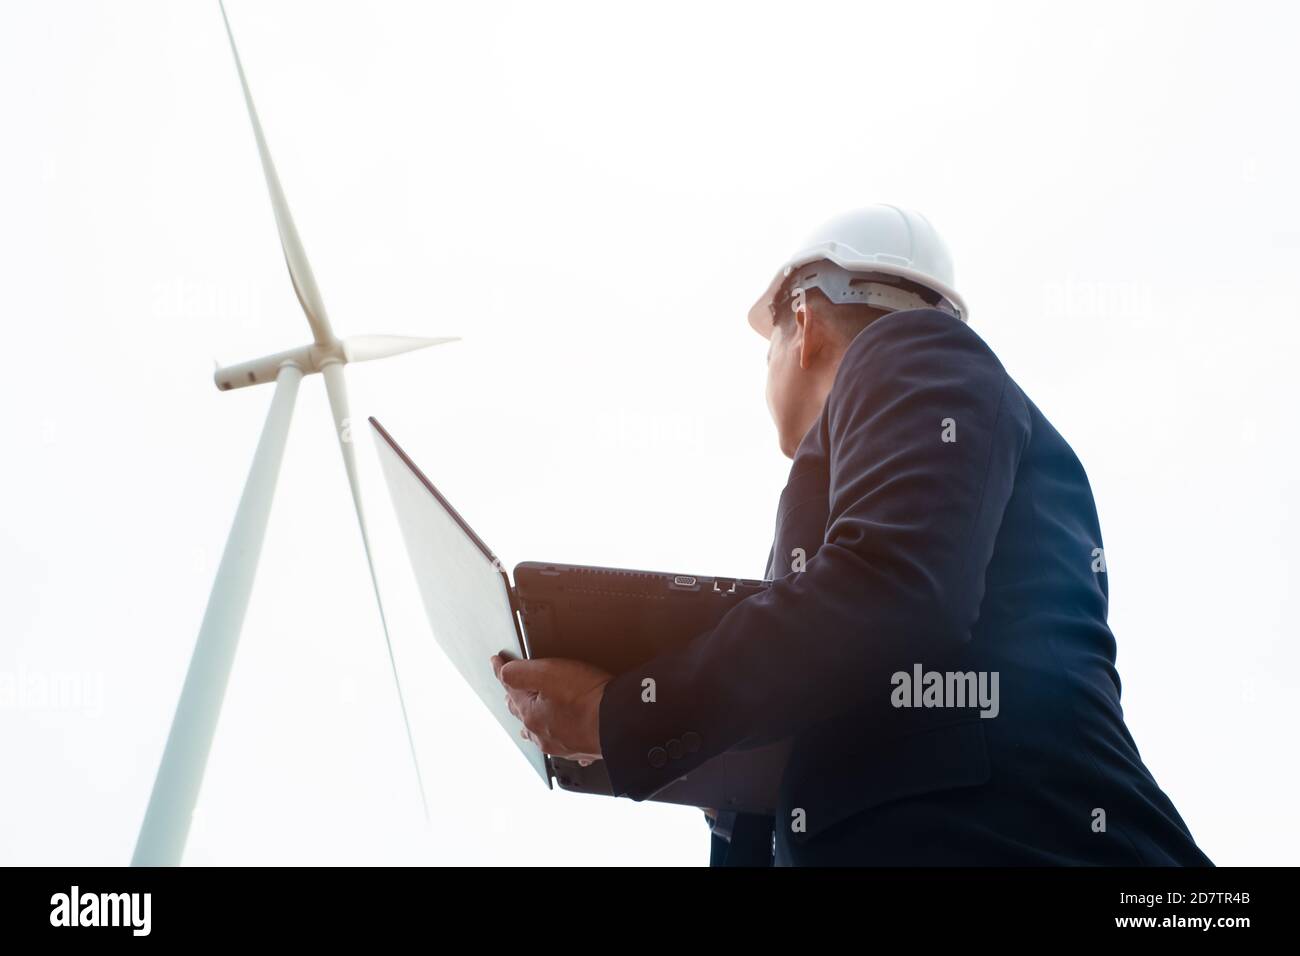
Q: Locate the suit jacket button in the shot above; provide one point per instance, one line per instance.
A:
(691, 741)
(675, 749)
(657, 757)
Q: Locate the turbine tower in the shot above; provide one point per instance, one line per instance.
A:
(180, 774)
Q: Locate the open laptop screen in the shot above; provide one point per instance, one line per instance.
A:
(462, 584)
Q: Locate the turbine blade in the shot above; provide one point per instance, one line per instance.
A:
(363, 348)
(304, 282)
(336, 388)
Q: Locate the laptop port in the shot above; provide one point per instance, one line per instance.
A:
(724, 585)
(684, 581)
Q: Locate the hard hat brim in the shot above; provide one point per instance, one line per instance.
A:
(760, 314)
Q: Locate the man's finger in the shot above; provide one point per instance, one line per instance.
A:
(499, 661)
(524, 675)
(522, 705)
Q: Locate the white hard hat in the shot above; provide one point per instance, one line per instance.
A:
(881, 239)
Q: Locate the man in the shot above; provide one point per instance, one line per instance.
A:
(934, 639)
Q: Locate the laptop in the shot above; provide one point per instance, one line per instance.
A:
(613, 618)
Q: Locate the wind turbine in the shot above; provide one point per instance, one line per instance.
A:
(180, 774)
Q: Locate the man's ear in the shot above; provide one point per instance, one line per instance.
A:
(812, 333)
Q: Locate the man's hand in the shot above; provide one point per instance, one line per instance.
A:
(558, 702)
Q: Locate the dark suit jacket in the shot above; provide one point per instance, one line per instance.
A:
(973, 555)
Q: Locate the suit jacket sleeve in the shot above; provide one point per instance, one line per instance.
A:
(900, 575)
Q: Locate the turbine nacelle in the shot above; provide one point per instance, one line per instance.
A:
(314, 358)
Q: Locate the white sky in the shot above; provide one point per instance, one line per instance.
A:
(593, 196)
